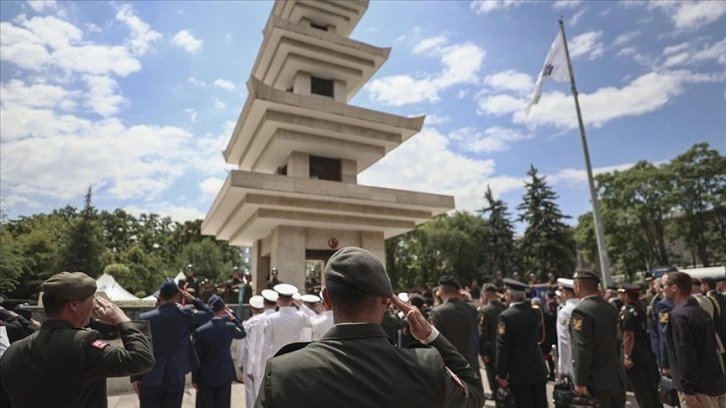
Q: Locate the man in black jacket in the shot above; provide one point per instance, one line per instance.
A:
(697, 369)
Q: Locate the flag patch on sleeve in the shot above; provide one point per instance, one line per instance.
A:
(99, 344)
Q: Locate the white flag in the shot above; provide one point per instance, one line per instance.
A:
(555, 67)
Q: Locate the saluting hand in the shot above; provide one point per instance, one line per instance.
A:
(108, 312)
(188, 296)
(420, 328)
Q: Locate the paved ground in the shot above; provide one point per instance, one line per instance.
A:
(238, 397)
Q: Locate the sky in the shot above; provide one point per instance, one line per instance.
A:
(138, 100)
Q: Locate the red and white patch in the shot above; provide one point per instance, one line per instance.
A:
(99, 344)
(455, 378)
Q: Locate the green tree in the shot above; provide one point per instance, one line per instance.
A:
(499, 236)
(548, 245)
(84, 245)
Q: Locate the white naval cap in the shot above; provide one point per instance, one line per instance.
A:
(257, 302)
(308, 298)
(566, 283)
(285, 289)
(296, 296)
(270, 295)
(404, 297)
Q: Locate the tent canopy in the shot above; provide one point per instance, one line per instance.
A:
(107, 284)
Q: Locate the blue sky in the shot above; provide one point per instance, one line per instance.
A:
(139, 99)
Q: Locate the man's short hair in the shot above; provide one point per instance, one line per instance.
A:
(53, 305)
(682, 281)
(347, 298)
(710, 282)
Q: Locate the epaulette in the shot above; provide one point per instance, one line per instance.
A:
(289, 348)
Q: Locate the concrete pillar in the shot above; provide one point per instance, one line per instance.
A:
(298, 165)
(301, 83)
(288, 255)
(339, 91)
(259, 267)
(373, 242)
(349, 170)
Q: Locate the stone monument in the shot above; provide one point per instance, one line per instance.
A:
(299, 148)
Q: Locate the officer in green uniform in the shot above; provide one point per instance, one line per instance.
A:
(598, 370)
(64, 365)
(488, 315)
(355, 364)
(638, 358)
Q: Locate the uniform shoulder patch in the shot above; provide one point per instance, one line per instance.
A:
(99, 344)
(455, 377)
(663, 317)
(576, 323)
(501, 328)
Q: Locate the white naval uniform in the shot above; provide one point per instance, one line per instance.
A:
(322, 324)
(288, 325)
(564, 348)
(248, 354)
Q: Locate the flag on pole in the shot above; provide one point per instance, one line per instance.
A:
(555, 67)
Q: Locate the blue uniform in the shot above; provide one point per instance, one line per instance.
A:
(171, 329)
(214, 377)
(662, 313)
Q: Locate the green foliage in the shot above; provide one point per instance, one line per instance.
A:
(548, 245)
(499, 249)
(84, 245)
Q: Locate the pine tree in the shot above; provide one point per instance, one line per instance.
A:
(548, 244)
(499, 235)
(84, 244)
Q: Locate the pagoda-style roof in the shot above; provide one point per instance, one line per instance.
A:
(274, 123)
(289, 48)
(250, 205)
(343, 14)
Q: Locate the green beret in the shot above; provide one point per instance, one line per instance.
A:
(586, 274)
(360, 269)
(70, 286)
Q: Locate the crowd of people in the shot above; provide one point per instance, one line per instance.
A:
(344, 344)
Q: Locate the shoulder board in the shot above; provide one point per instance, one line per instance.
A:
(289, 348)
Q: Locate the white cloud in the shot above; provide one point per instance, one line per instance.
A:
(410, 167)
(691, 15)
(510, 80)
(102, 97)
(490, 140)
(210, 187)
(40, 5)
(427, 44)
(673, 49)
(16, 201)
(434, 119)
(218, 105)
(642, 95)
(587, 44)
(461, 64)
(142, 36)
(578, 177)
(196, 82)
(625, 38)
(224, 84)
(176, 213)
(462, 93)
(564, 4)
(485, 6)
(687, 54)
(192, 114)
(577, 16)
(187, 41)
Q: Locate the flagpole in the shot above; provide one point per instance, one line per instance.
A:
(600, 235)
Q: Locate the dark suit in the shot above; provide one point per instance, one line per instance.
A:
(458, 322)
(643, 374)
(596, 351)
(63, 366)
(519, 358)
(719, 316)
(488, 316)
(171, 328)
(356, 365)
(216, 372)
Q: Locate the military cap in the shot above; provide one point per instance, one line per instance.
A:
(648, 275)
(27, 314)
(308, 298)
(417, 300)
(489, 287)
(257, 302)
(169, 288)
(156, 293)
(70, 286)
(235, 269)
(360, 269)
(512, 284)
(270, 295)
(190, 266)
(566, 283)
(404, 296)
(216, 303)
(449, 280)
(274, 270)
(586, 274)
(296, 296)
(629, 288)
(285, 289)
